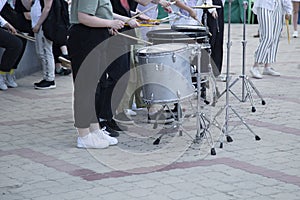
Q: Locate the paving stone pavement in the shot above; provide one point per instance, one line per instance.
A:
(39, 160)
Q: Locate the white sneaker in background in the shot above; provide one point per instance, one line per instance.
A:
(134, 107)
(10, 81)
(104, 135)
(92, 141)
(270, 71)
(3, 86)
(295, 34)
(129, 112)
(255, 73)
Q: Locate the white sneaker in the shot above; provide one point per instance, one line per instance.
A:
(134, 107)
(104, 135)
(92, 141)
(255, 73)
(295, 34)
(270, 71)
(129, 112)
(10, 81)
(3, 86)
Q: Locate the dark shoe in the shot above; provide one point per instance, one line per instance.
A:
(123, 119)
(63, 71)
(118, 127)
(113, 133)
(44, 85)
(160, 118)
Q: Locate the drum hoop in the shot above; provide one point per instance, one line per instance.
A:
(168, 34)
(188, 28)
(165, 52)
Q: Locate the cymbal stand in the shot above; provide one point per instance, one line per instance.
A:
(225, 132)
(202, 122)
(247, 84)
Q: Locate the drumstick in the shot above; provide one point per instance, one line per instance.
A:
(135, 16)
(20, 34)
(287, 30)
(25, 36)
(134, 38)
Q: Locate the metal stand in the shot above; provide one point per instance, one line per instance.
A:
(247, 84)
(228, 106)
(202, 122)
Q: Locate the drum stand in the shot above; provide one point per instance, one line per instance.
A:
(202, 122)
(247, 84)
(227, 106)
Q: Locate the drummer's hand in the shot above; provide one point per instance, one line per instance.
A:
(214, 14)
(164, 3)
(168, 9)
(144, 17)
(133, 23)
(116, 24)
(10, 28)
(112, 31)
(287, 16)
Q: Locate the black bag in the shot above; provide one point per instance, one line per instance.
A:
(57, 23)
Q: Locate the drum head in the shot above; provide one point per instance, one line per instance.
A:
(162, 49)
(172, 35)
(189, 28)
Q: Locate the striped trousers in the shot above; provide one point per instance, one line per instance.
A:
(270, 26)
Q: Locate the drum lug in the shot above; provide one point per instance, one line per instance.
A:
(159, 67)
(174, 57)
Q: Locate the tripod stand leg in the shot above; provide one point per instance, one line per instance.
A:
(249, 95)
(256, 91)
(244, 122)
(229, 87)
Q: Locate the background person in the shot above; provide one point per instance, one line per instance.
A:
(270, 16)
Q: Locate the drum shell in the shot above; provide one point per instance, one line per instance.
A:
(165, 75)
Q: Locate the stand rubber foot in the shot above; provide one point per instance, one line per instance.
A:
(263, 102)
(213, 151)
(156, 142)
(257, 137)
(253, 109)
(221, 145)
(229, 139)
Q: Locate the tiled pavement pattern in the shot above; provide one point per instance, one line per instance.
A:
(38, 158)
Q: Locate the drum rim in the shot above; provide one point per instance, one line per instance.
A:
(163, 34)
(184, 47)
(184, 28)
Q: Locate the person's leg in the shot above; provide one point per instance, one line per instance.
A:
(44, 51)
(277, 24)
(10, 58)
(295, 17)
(85, 118)
(265, 22)
(59, 69)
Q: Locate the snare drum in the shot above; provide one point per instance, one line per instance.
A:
(165, 72)
(190, 28)
(172, 36)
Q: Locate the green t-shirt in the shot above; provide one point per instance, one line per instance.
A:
(98, 8)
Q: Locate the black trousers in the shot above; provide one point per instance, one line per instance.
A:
(13, 52)
(216, 28)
